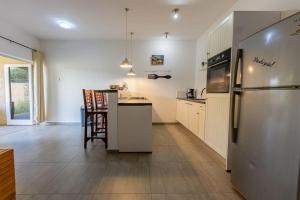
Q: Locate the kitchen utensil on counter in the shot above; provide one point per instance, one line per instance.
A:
(191, 93)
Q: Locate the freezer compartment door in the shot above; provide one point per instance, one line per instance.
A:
(265, 163)
(271, 57)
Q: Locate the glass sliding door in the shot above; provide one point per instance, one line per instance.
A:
(19, 101)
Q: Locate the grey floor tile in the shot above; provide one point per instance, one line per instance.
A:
(52, 164)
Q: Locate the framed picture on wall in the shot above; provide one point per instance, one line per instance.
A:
(157, 60)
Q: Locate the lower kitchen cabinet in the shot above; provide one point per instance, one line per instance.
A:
(209, 122)
(217, 122)
(192, 116)
(183, 112)
(201, 123)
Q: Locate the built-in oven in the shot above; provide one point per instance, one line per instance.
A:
(218, 73)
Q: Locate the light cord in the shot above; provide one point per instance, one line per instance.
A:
(126, 49)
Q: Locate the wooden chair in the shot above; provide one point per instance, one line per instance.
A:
(101, 103)
(100, 99)
(92, 113)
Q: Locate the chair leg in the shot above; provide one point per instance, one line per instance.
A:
(85, 129)
(96, 125)
(105, 129)
(92, 128)
(103, 121)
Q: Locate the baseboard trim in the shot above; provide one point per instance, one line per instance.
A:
(78, 123)
(112, 150)
(61, 123)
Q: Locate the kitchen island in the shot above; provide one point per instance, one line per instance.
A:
(129, 123)
(134, 125)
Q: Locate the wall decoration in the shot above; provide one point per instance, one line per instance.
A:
(157, 60)
(155, 76)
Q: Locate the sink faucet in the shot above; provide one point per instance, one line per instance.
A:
(202, 91)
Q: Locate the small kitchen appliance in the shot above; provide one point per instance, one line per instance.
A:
(191, 93)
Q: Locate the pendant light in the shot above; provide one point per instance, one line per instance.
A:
(131, 71)
(125, 63)
(175, 13)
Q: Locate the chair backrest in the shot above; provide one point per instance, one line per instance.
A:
(100, 99)
(88, 99)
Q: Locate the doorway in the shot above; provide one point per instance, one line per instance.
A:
(18, 92)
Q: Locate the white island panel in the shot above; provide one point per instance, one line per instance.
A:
(135, 127)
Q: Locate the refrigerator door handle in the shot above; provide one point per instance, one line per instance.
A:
(236, 92)
(235, 111)
(239, 58)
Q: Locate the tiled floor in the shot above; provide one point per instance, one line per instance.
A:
(51, 164)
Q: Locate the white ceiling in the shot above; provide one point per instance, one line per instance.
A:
(104, 19)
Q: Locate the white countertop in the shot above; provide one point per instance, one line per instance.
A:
(134, 102)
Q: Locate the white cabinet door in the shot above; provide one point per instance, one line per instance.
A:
(193, 117)
(220, 39)
(179, 111)
(182, 113)
(185, 114)
(217, 122)
(201, 122)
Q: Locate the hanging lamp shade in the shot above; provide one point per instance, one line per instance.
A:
(125, 63)
(131, 72)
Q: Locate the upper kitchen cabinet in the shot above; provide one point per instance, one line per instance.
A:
(237, 26)
(220, 38)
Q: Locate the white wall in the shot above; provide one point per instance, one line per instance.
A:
(240, 5)
(201, 56)
(74, 65)
(14, 33)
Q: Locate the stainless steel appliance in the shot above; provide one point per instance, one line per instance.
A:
(266, 114)
(218, 73)
(191, 93)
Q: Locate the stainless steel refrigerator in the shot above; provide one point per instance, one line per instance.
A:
(266, 114)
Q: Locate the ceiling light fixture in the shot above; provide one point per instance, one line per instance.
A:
(131, 71)
(125, 63)
(166, 34)
(175, 13)
(65, 24)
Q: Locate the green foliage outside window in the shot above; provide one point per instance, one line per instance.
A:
(22, 107)
(18, 75)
